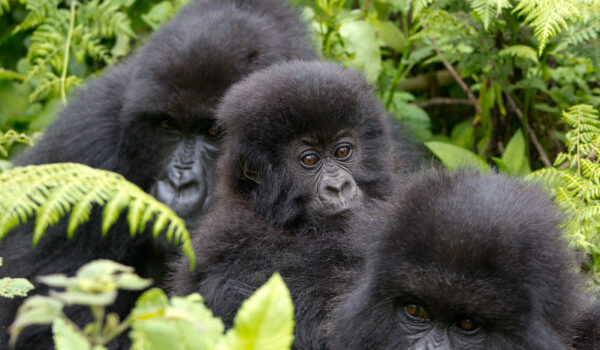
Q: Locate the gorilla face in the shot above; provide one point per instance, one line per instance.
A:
(185, 138)
(461, 261)
(328, 166)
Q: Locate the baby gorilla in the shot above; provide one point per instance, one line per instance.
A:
(306, 147)
(464, 261)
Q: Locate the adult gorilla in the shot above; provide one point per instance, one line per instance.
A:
(151, 119)
(463, 261)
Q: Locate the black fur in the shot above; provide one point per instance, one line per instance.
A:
(587, 330)
(113, 124)
(462, 246)
(257, 229)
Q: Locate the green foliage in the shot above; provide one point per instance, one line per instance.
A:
(574, 180)
(7, 139)
(265, 320)
(48, 47)
(455, 157)
(12, 287)
(53, 190)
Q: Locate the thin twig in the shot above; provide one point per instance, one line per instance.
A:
(444, 101)
(458, 79)
(532, 136)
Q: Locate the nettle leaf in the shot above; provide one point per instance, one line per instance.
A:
(36, 310)
(515, 155)
(184, 323)
(265, 321)
(67, 338)
(454, 157)
(12, 287)
(361, 43)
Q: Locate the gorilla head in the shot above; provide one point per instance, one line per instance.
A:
(305, 142)
(464, 262)
(177, 81)
(152, 118)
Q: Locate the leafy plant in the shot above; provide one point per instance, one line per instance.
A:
(265, 320)
(51, 191)
(574, 181)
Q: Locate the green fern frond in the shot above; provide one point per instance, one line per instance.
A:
(489, 9)
(419, 5)
(51, 191)
(581, 34)
(521, 51)
(39, 10)
(548, 17)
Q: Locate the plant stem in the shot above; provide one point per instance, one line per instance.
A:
(12, 74)
(534, 139)
(63, 77)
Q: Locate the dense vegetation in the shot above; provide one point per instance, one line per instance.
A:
(511, 83)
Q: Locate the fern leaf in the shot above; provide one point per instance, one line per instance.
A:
(489, 9)
(521, 51)
(419, 5)
(39, 10)
(51, 191)
(548, 17)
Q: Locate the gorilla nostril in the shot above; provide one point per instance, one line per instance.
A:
(334, 188)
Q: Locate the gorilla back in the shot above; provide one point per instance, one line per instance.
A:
(306, 147)
(464, 261)
(152, 120)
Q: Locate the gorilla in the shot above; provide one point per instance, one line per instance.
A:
(463, 261)
(587, 329)
(306, 147)
(151, 119)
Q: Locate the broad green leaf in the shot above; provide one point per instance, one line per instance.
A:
(463, 134)
(67, 338)
(265, 321)
(183, 324)
(11, 287)
(36, 310)
(361, 43)
(515, 155)
(454, 157)
(159, 14)
(391, 35)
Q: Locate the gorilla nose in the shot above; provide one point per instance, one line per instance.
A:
(339, 188)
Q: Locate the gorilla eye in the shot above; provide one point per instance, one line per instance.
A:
(310, 160)
(415, 310)
(468, 325)
(213, 132)
(167, 125)
(342, 152)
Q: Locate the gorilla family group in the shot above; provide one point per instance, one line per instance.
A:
(280, 162)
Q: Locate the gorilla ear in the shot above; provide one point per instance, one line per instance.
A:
(251, 174)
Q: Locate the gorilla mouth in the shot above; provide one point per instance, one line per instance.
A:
(184, 200)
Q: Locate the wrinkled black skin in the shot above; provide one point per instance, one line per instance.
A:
(462, 245)
(586, 335)
(265, 219)
(116, 123)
